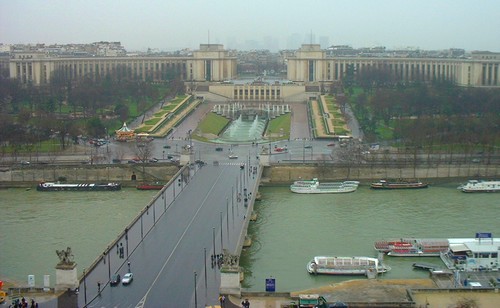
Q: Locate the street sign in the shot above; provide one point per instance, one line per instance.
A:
(270, 284)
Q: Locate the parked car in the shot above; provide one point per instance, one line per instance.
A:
(131, 161)
(219, 149)
(115, 280)
(127, 278)
(153, 160)
(308, 146)
(116, 161)
(166, 146)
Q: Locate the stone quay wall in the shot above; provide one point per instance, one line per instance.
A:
(276, 174)
(286, 173)
(26, 176)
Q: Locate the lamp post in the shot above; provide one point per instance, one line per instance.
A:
(84, 288)
(195, 295)
(213, 237)
(221, 244)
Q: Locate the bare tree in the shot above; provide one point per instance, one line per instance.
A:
(144, 152)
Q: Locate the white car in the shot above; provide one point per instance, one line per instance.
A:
(127, 278)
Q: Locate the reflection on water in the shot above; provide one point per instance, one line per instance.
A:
(36, 224)
(291, 229)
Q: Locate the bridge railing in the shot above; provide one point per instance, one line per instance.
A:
(116, 255)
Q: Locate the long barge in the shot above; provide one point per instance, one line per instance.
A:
(401, 184)
(423, 247)
(50, 186)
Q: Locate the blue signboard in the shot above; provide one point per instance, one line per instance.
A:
(270, 284)
(483, 235)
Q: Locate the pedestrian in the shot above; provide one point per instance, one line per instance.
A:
(222, 300)
(245, 303)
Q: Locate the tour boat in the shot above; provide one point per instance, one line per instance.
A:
(480, 186)
(315, 187)
(346, 266)
(150, 186)
(48, 186)
(478, 254)
(411, 247)
(401, 184)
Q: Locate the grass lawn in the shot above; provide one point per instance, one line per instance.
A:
(152, 121)
(279, 126)
(212, 124)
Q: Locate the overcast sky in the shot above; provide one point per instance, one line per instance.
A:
(255, 24)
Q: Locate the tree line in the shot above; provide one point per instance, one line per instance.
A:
(423, 113)
(66, 107)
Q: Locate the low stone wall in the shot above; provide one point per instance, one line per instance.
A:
(88, 173)
(273, 175)
(287, 173)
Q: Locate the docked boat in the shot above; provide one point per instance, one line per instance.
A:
(315, 187)
(400, 184)
(411, 247)
(478, 254)
(49, 186)
(150, 186)
(480, 186)
(370, 267)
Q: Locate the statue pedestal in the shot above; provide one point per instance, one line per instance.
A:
(66, 277)
(230, 281)
(265, 159)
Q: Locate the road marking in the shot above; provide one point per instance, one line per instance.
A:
(142, 302)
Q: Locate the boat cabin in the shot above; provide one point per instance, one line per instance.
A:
(473, 256)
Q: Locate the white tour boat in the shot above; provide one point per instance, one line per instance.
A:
(315, 187)
(346, 266)
(480, 186)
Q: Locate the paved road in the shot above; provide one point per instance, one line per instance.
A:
(205, 216)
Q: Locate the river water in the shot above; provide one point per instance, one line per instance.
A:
(289, 231)
(36, 224)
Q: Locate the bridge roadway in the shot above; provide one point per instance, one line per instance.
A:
(169, 246)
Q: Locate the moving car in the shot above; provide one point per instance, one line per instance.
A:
(308, 146)
(127, 278)
(115, 280)
(233, 156)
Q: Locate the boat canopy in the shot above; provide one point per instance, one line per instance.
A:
(459, 247)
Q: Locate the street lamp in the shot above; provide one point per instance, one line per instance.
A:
(221, 245)
(84, 288)
(195, 295)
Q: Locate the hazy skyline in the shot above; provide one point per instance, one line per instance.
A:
(259, 24)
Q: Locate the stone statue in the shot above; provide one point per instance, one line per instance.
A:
(65, 256)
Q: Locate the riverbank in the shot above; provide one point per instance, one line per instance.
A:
(273, 175)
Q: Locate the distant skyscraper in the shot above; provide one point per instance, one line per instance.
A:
(324, 41)
(294, 41)
(271, 43)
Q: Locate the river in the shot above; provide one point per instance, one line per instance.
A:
(289, 231)
(36, 224)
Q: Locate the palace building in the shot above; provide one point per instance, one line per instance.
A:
(311, 64)
(210, 63)
(212, 67)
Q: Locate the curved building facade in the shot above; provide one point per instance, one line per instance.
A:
(210, 63)
(310, 64)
